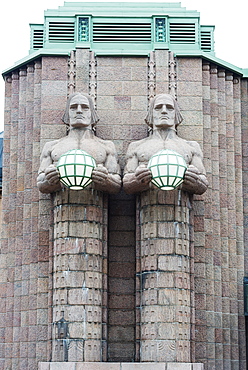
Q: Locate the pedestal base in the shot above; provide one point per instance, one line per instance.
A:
(119, 366)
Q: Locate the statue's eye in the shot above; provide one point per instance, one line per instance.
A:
(159, 106)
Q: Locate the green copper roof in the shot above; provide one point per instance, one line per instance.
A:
(121, 29)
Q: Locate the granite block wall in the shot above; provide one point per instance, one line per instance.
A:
(26, 252)
(219, 248)
(213, 102)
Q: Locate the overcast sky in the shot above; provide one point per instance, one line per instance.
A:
(229, 18)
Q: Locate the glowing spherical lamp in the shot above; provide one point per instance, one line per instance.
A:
(75, 169)
(167, 168)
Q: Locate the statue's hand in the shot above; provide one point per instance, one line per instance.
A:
(191, 175)
(194, 181)
(137, 181)
(99, 174)
(143, 174)
(52, 174)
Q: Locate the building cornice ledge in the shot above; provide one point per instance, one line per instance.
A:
(30, 58)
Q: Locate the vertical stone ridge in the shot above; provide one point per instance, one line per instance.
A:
(172, 75)
(221, 256)
(203, 268)
(40, 267)
(239, 215)
(219, 267)
(151, 76)
(93, 77)
(12, 348)
(71, 72)
(6, 267)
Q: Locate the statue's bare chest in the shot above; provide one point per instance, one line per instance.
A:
(92, 146)
(150, 147)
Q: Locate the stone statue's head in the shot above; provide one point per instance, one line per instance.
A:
(94, 116)
(149, 116)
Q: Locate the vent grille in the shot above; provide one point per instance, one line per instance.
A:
(182, 33)
(122, 32)
(160, 30)
(38, 37)
(83, 29)
(206, 41)
(61, 31)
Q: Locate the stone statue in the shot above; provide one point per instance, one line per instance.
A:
(163, 117)
(81, 117)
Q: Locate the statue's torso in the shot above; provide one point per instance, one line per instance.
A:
(150, 146)
(93, 146)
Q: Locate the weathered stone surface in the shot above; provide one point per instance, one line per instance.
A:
(214, 104)
(120, 366)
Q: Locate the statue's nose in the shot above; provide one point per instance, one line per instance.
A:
(79, 108)
(164, 110)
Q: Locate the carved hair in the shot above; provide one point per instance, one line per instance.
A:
(94, 116)
(149, 116)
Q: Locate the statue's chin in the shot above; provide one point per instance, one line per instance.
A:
(80, 124)
(164, 124)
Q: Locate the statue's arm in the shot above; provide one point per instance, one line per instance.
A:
(195, 180)
(136, 177)
(48, 175)
(107, 177)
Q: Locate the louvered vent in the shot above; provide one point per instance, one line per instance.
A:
(206, 41)
(38, 39)
(61, 31)
(182, 33)
(122, 32)
(83, 29)
(160, 30)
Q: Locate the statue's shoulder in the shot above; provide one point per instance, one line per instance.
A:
(195, 145)
(108, 144)
(49, 145)
(135, 144)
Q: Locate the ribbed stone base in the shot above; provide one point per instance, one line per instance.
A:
(119, 366)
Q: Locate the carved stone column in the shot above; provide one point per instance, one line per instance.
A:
(165, 276)
(78, 275)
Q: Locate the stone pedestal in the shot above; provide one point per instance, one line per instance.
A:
(78, 276)
(164, 272)
(118, 366)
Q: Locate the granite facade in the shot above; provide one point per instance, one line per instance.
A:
(136, 263)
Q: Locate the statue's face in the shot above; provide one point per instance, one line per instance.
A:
(79, 112)
(163, 112)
